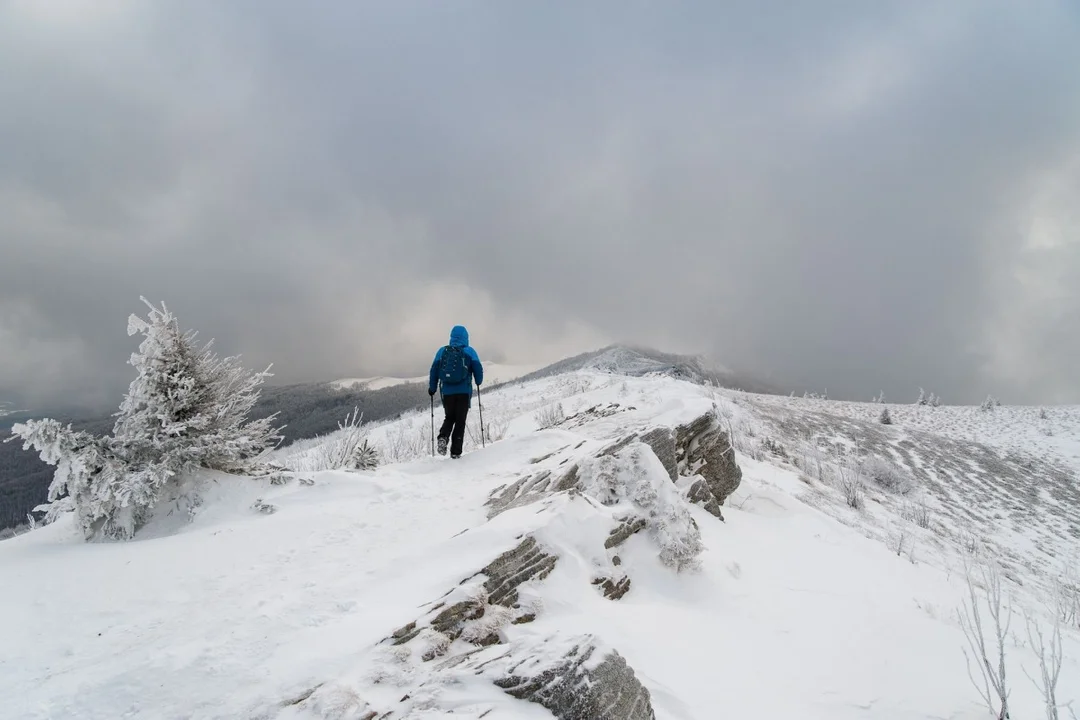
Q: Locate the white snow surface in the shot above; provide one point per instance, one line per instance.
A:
(494, 373)
(800, 606)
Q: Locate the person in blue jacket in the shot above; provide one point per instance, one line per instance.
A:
(455, 367)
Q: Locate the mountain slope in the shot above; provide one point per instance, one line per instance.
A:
(799, 605)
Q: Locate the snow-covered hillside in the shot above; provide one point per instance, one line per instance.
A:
(561, 552)
(638, 361)
(494, 374)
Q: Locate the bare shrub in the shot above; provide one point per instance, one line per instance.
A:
(774, 448)
(349, 449)
(549, 416)
(850, 481)
(576, 385)
(900, 539)
(1067, 595)
(1048, 649)
(917, 512)
(405, 442)
(990, 658)
(1048, 646)
(494, 430)
(972, 544)
(887, 476)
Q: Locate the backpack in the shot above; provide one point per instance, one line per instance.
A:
(452, 367)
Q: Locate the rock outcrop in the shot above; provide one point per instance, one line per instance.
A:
(697, 448)
(575, 687)
(476, 618)
(531, 488)
(613, 587)
(701, 494)
(633, 478)
(627, 526)
(703, 448)
(465, 635)
(662, 442)
(508, 571)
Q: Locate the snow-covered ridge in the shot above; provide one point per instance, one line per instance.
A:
(282, 601)
(636, 361)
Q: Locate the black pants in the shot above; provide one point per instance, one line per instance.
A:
(453, 427)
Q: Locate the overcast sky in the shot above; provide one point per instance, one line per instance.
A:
(845, 195)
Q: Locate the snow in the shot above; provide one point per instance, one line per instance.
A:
(494, 373)
(801, 606)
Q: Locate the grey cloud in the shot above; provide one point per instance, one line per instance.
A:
(829, 197)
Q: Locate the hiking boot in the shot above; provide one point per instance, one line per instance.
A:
(455, 457)
(442, 446)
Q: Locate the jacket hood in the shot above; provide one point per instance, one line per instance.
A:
(459, 336)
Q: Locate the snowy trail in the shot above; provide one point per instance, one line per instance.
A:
(213, 610)
(793, 613)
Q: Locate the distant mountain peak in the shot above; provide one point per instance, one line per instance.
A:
(638, 360)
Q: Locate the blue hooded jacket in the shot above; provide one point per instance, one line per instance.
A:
(459, 337)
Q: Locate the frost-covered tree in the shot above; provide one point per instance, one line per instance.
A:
(885, 418)
(990, 403)
(186, 409)
(89, 476)
(935, 401)
(922, 397)
(187, 403)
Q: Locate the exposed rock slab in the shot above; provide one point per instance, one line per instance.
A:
(508, 571)
(613, 588)
(700, 493)
(477, 618)
(628, 526)
(574, 686)
(530, 489)
(662, 442)
(703, 448)
(697, 448)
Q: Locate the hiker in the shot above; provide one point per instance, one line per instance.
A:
(454, 367)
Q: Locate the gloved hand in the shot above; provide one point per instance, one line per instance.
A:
(430, 392)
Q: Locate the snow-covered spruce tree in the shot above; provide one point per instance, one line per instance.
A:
(88, 474)
(186, 409)
(922, 397)
(187, 404)
(885, 418)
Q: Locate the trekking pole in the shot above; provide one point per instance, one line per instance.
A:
(483, 441)
(432, 426)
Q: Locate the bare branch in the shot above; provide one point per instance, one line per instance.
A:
(994, 687)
